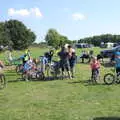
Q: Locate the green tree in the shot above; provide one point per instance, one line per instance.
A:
(96, 40)
(4, 39)
(53, 38)
(18, 34)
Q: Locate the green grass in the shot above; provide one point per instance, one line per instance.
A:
(59, 99)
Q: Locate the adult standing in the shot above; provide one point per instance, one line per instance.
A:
(72, 59)
(64, 61)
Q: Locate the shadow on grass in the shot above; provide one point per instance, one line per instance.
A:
(8, 75)
(86, 83)
(107, 118)
(17, 80)
(35, 80)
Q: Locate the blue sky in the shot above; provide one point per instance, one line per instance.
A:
(74, 18)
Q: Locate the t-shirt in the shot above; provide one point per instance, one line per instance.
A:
(44, 60)
(95, 65)
(28, 65)
(117, 59)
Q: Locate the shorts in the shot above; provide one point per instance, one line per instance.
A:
(95, 70)
(64, 65)
(72, 63)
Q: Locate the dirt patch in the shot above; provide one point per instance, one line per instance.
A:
(8, 68)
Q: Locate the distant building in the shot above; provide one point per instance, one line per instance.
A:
(83, 45)
(110, 45)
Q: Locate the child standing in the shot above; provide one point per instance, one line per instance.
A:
(95, 66)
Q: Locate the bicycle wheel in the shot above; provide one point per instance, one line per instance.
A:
(109, 79)
(26, 77)
(40, 76)
(118, 78)
(19, 69)
(2, 81)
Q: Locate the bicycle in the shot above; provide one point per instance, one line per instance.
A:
(33, 75)
(111, 78)
(2, 81)
(19, 69)
(55, 69)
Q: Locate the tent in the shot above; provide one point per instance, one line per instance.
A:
(109, 45)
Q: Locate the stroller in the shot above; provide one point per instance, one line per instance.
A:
(55, 69)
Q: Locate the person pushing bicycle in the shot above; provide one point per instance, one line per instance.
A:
(117, 61)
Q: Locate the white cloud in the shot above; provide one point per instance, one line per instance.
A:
(78, 16)
(25, 12)
(36, 11)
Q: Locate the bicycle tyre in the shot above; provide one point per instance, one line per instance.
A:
(118, 79)
(18, 69)
(109, 78)
(40, 76)
(26, 77)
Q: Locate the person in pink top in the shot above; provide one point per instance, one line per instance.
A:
(95, 65)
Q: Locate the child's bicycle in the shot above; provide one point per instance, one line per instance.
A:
(2, 81)
(33, 75)
(111, 78)
(55, 69)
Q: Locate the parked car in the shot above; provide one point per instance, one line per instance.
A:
(109, 53)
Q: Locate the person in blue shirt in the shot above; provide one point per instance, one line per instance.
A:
(117, 61)
(28, 65)
(44, 62)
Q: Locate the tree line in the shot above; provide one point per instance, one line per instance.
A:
(15, 34)
(97, 40)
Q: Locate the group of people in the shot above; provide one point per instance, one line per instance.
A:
(86, 55)
(67, 60)
(95, 63)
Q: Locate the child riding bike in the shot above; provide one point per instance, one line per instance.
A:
(28, 67)
(95, 66)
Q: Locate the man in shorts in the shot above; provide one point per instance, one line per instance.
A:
(64, 61)
(72, 59)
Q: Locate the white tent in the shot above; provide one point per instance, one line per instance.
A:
(109, 45)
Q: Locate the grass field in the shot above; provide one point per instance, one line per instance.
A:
(59, 99)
